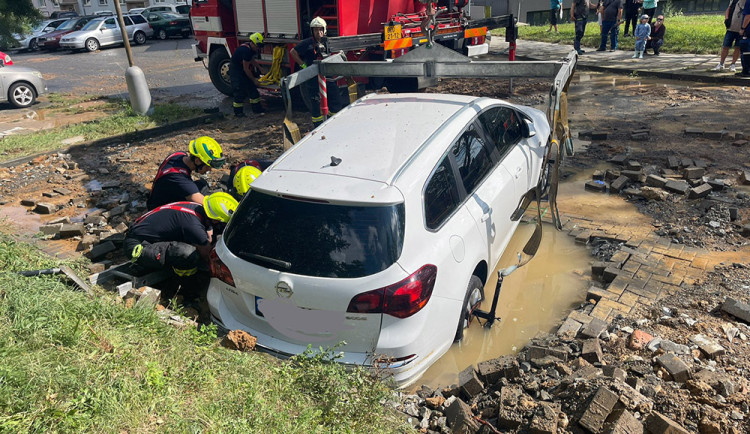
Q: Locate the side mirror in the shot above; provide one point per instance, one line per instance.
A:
(528, 128)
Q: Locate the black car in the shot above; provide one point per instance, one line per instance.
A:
(63, 14)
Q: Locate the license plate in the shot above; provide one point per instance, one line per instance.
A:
(393, 32)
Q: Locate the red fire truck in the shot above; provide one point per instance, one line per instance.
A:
(363, 29)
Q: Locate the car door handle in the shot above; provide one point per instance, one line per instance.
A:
(486, 215)
(518, 171)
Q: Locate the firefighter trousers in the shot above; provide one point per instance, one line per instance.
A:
(182, 258)
(242, 89)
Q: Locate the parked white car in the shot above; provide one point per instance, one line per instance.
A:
(102, 32)
(175, 9)
(379, 229)
(19, 85)
(30, 41)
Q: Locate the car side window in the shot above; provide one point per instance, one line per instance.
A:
(138, 19)
(185, 9)
(503, 127)
(110, 23)
(128, 21)
(441, 195)
(472, 159)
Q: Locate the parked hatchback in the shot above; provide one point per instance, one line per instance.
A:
(166, 24)
(19, 85)
(51, 41)
(379, 229)
(30, 40)
(101, 32)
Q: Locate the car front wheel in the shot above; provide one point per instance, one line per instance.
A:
(92, 44)
(21, 95)
(33, 45)
(218, 70)
(472, 300)
(139, 38)
(162, 34)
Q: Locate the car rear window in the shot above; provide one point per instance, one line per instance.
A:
(138, 19)
(183, 9)
(316, 239)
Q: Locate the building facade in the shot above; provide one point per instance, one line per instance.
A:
(91, 7)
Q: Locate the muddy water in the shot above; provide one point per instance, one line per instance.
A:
(533, 299)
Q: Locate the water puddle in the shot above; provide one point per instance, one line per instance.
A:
(533, 299)
(20, 218)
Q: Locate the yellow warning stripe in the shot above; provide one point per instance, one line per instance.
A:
(397, 44)
(473, 33)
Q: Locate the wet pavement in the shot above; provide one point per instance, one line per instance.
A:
(694, 67)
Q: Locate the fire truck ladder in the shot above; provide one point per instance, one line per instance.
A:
(437, 61)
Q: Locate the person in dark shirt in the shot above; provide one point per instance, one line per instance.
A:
(173, 181)
(177, 235)
(579, 12)
(657, 35)
(304, 54)
(242, 71)
(611, 19)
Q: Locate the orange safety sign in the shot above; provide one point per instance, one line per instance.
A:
(397, 44)
(473, 33)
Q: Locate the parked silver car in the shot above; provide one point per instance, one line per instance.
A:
(20, 85)
(30, 41)
(102, 32)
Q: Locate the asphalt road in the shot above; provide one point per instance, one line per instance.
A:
(171, 72)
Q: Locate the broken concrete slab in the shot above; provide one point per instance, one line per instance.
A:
(490, 371)
(711, 348)
(716, 135)
(45, 208)
(52, 229)
(61, 191)
(460, 418)
(102, 249)
(470, 383)
(568, 330)
(595, 328)
(657, 423)
(618, 184)
(598, 410)
(679, 187)
(592, 351)
(653, 193)
(655, 181)
(736, 308)
(700, 191)
(745, 177)
(597, 186)
(72, 230)
(619, 159)
(634, 175)
(679, 371)
(673, 162)
(119, 209)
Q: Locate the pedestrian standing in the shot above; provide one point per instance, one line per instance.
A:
(554, 13)
(642, 34)
(656, 40)
(631, 15)
(611, 19)
(745, 41)
(649, 8)
(579, 12)
(243, 68)
(733, 23)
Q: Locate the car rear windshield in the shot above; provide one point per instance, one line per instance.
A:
(316, 239)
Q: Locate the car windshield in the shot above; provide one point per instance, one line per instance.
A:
(92, 24)
(316, 239)
(39, 27)
(67, 25)
(170, 16)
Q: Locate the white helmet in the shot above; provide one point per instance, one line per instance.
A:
(318, 22)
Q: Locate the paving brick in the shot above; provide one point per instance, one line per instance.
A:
(45, 208)
(469, 382)
(614, 372)
(28, 202)
(592, 351)
(708, 346)
(594, 328)
(87, 242)
(633, 175)
(64, 220)
(490, 371)
(700, 191)
(716, 135)
(674, 162)
(619, 159)
(102, 249)
(611, 272)
(601, 311)
(597, 186)
(631, 267)
(619, 184)
(51, 229)
(717, 184)
(583, 238)
(568, 330)
(655, 181)
(72, 230)
(110, 184)
(618, 285)
(537, 352)
(693, 172)
(597, 267)
(679, 371)
(621, 421)
(49, 194)
(736, 308)
(614, 305)
(657, 423)
(693, 131)
(598, 410)
(459, 418)
(119, 209)
(61, 191)
(580, 317)
(628, 298)
(745, 177)
(545, 418)
(597, 294)
(745, 230)
(679, 187)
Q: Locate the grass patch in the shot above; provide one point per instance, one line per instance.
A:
(120, 118)
(693, 34)
(75, 364)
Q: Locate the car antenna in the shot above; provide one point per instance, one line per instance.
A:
(335, 161)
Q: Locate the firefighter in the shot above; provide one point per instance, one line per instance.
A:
(242, 73)
(304, 54)
(241, 176)
(173, 181)
(178, 235)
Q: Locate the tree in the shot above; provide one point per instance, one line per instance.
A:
(15, 17)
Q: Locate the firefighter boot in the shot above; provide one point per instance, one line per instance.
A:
(258, 108)
(239, 109)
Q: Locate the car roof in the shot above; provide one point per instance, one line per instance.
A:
(389, 127)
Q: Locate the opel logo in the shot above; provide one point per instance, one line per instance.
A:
(283, 289)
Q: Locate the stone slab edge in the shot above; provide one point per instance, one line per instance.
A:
(127, 137)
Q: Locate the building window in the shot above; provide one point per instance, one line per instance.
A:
(102, 2)
(42, 3)
(87, 2)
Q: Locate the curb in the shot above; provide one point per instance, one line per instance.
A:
(127, 137)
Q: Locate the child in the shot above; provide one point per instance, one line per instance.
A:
(642, 34)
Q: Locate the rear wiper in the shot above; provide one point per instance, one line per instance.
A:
(278, 262)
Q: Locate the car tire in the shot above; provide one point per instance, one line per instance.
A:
(162, 34)
(475, 289)
(33, 45)
(139, 38)
(218, 70)
(21, 95)
(91, 44)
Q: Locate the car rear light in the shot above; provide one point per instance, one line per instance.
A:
(219, 270)
(173, 23)
(402, 299)
(7, 60)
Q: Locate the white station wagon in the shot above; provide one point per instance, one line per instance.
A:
(379, 229)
